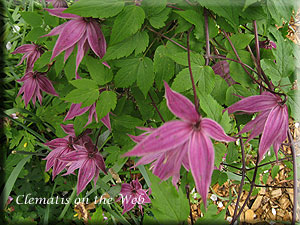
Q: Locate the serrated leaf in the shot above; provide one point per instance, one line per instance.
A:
(127, 75)
(42, 61)
(32, 18)
(70, 67)
(232, 154)
(163, 66)
(35, 34)
(85, 96)
(84, 84)
(271, 70)
(280, 10)
(293, 102)
(145, 75)
(99, 73)
(220, 151)
(128, 121)
(158, 20)
(275, 171)
(106, 103)
(128, 22)
(222, 178)
(138, 43)
(96, 8)
(169, 205)
(79, 123)
(153, 7)
(210, 106)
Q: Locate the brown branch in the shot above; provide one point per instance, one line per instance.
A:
(206, 38)
(155, 106)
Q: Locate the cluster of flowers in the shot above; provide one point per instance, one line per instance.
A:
(184, 142)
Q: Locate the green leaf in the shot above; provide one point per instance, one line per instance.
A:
(169, 205)
(97, 216)
(138, 43)
(163, 66)
(203, 75)
(153, 7)
(42, 61)
(96, 8)
(79, 123)
(210, 106)
(59, 64)
(145, 75)
(293, 103)
(226, 8)
(215, 177)
(232, 154)
(275, 171)
(84, 84)
(35, 34)
(70, 67)
(211, 216)
(248, 3)
(52, 21)
(222, 178)
(32, 18)
(158, 20)
(86, 96)
(106, 103)
(127, 75)
(99, 73)
(236, 89)
(11, 181)
(239, 41)
(271, 70)
(128, 121)
(128, 22)
(280, 10)
(220, 151)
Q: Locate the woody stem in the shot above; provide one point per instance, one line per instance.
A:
(155, 106)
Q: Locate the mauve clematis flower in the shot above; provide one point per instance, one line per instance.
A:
(267, 44)
(76, 110)
(272, 120)
(89, 162)
(186, 139)
(85, 32)
(58, 3)
(222, 68)
(31, 52)
(132, 194)
(62, 146)
(34, 84)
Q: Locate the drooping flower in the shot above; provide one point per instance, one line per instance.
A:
(132, 194)
(85, 32)
(31, 53)
(267, 44)
(76, 110)
(88, 160)
(186, 139)
(222, 68)
(33, 85)
(272, 121)
(62, 146)
(58, 3)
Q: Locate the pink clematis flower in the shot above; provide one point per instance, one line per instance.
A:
(267, 44)
(132, 194)
(31, 53)
(222, 68)
(34, 84)
(88, 160)
(272, 120)
(183, 140)
(62, 146)
(76, 110)
(58, 3)
(85, 32)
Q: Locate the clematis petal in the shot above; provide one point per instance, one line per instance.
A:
(55, 31)
(86, 174)
(272, 129)
(30, 86)
(76, 110)
(69, 36)
(68, 53)
(168, 136)
(254, 104)
(68, 129)
(106, 121)
(96, 39)
(59, 13)
(214, 130)
(201, 160)
(80, 52)
(181, 106)
(46, 85)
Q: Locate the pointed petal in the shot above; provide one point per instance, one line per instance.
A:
(86, 174)
(30, 87)
(100, 162)
(59, 13)
(106, 121)
(75, 110)
(69, 36)
(46, 85)
(68, 53)
(201, 160)
(80, 52)
(96, 39)
(68, 129)
(214, 130)
(272, 129)
(55, 31)
(168, 136)
(181, 106)
(254, 104)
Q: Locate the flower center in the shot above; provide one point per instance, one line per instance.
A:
(87, 19)
(196, 126)
(91, 155)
